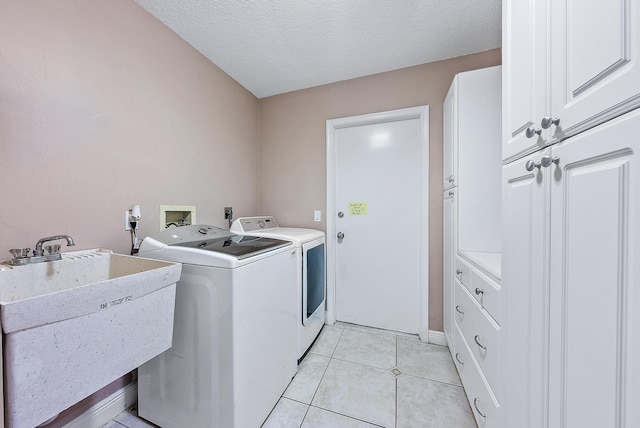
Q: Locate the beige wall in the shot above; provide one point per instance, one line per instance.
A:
(102, 107)
(293, 144)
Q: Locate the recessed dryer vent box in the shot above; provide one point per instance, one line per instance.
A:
(176, 215)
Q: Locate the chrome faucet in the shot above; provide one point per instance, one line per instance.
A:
(38, 251)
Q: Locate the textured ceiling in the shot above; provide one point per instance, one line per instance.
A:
(276, 46)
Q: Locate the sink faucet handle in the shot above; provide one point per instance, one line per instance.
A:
(52, 249)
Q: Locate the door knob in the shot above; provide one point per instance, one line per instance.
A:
(531, 165)
(340, 235)
(547, 160)
(547, 121)
(531, 131)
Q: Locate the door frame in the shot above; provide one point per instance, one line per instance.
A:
(421, 113)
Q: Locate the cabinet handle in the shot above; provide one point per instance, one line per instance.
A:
(450, 193)
(458, 310)
(458, 272)
(479, 291)
(450, 179)
(458, 358)
(478, 343)
(475, 404)
(547, 160)
(531, 165)
(532, 130)
(547, 121)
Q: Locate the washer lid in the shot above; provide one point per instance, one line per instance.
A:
(214, 239)
(240, 247)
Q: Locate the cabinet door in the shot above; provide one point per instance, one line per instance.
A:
(595, 75)
(524, 84)
(450, 137)
(595, 274)
(450, 214)
(524, 291)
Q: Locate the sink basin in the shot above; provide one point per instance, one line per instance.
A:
(74, 325)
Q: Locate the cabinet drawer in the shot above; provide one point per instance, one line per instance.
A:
(487, 293)
(481, 334)
(463, 272)
(484, 405)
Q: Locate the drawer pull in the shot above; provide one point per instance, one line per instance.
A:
(458, 272)
(478, 343)
(475, 404)
(459, 310)
(458, 358)
(479, 291)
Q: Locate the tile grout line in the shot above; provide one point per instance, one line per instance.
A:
(396, 409)
(348, 416)
(321, 378)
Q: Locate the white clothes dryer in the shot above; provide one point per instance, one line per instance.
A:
(311, 276)
(234, 342)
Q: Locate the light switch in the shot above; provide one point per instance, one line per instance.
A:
(317, 215)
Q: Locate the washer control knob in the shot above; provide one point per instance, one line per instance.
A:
(203, 230)
(262, 224)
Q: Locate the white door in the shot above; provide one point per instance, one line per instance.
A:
(450, 250)
(595, 269)
(525, 208)
(524, 72)
(379, 197)
(595, 73)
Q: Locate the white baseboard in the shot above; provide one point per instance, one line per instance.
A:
(102, 412)
(437, 338)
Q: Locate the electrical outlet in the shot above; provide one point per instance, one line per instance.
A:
(127, 226)
(228, 213)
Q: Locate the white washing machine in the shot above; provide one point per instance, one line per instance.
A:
(234, 345)
(311, 276)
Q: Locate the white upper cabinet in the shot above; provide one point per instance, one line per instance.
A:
(450, 137)
(595, 75)
(567, 69)
(524, 76)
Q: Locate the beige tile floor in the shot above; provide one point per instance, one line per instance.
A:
(357, 376)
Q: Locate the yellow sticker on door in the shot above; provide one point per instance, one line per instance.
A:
(358, 208)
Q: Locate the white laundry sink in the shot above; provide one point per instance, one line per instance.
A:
(74, 325)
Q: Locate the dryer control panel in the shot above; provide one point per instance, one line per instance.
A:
(252, 224)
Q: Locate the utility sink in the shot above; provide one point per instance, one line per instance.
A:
(74, 325)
